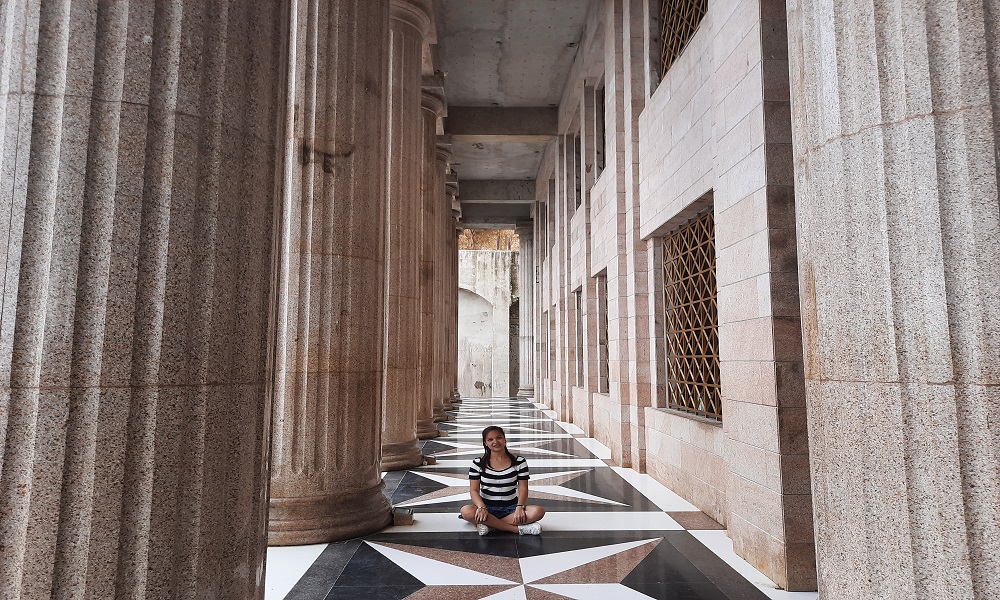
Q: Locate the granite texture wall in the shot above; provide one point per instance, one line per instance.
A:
(137, 154)
(895, 114)
(712, 134)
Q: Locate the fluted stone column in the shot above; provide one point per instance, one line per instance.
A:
(526, 289)
(442, 266)
(326, 482)
(453, 309)
(895, 121)
(432, 108)
(409, 24)
(138, 168)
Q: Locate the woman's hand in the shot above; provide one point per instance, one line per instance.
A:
(519, 515)
(481, 514)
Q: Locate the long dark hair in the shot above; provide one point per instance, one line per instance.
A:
(485, 461)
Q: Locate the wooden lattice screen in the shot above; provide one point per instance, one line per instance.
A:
(692, 318)
(679, 19)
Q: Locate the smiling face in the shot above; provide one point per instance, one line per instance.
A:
(494, 440)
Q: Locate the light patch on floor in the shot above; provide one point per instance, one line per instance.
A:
(286, 565)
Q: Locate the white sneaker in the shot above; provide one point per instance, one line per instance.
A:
(530, 529)
(483, 529)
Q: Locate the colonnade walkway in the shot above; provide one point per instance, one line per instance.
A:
(608, 534)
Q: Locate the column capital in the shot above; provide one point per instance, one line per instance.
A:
(433, 101)
(415, 13)
(442, 152)
(524, 228)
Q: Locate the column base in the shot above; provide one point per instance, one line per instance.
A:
(426, 429)
(401, 456)
(526, 392)
(327, 518)
(439, 415)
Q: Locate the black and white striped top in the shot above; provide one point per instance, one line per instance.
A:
(499, 487)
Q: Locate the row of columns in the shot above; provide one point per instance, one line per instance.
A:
(228, 287)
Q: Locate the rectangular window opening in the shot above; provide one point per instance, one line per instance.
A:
(679, 20)
(691, 318)
(578, 170)
(603, 383)
(601, 144)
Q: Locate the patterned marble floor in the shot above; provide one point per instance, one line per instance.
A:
(609, 533)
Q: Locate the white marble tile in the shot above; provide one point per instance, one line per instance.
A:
(657, 493)
(286, 565)
(719, 543)
(600, 450)
(570, 428)
(593, 591)
(511, 594)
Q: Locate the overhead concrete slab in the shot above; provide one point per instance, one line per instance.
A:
(494, 216)
(508, 52)
(490, 191)
(477, 121)
(500, 160)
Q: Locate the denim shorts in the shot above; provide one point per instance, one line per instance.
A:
(501, 510)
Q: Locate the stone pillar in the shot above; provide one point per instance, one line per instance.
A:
(432, 108)
(325, 479)
(138, 168)
(443, 224)
(526, 290)
(895, 123)
(454, 230)
(409, 23)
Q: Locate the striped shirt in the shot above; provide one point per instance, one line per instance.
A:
(499, 487)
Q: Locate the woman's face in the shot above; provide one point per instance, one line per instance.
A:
(495, 441)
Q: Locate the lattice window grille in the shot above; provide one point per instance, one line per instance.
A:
(679, 19)
(692, 318)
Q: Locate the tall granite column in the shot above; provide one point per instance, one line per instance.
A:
(432, 190)
(455, 231)
(526, 289)
(442, 264)
(138, 168)
(895, 122)
(325, 479)
(409, 24)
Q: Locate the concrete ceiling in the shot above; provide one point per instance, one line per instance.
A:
(512, 56)
(507, 52)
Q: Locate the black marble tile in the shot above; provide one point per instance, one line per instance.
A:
(318, 580)
(369, 568)
(393, 592)
(734, 585)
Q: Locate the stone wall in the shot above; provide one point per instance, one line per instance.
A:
(713, 134)
(486, 290)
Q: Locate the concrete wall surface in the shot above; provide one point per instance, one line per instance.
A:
(487, 285)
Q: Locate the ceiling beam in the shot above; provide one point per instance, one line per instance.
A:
(480, 124)
(482, 191)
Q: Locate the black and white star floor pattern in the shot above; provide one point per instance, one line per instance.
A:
(608, 534)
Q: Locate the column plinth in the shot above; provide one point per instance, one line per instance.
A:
(333, 516)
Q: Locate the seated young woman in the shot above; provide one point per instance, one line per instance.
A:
(498, 484)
